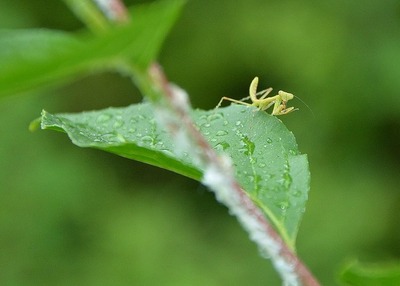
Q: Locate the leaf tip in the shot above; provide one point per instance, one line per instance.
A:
(35, 124)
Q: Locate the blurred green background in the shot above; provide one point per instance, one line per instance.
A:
(72, 216)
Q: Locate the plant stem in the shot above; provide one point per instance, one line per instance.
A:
(114, 10)
(219, 177)
(172, 108)
(88, 13)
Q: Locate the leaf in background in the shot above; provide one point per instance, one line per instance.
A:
(32, 58)
(268, 164)
(356, 274)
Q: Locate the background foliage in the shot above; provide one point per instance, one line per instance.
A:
(83, 217)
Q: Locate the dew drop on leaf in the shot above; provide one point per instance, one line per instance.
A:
(222, 146)
(147, 140)
(103, 118)
(215, 116)
(284, 205)
(120, 137)
(167, 152)
(287, 180)
(297, 193)
(118, 124)
(221, 133)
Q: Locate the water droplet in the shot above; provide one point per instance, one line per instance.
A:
(251, 178)
(205, 125)
(167, 152)
(262, 165)
(222, 146)
(119, 137)
(293, 152)
(203, 117)
(284, 205)
(225, 122)
(269, 140)
(118, 124)
(238, 123)
(103, 117)
(287, 180)
(221, 133)
(147, 140)
(108, 137)
(297, 193)
(215, 116)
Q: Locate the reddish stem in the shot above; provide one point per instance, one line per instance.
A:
(210, 156)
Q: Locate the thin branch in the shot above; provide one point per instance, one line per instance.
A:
(219, 177)
(88, 13)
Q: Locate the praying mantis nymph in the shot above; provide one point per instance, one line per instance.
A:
(263, 103)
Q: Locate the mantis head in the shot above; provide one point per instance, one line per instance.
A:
(280, 105)
(285, 96)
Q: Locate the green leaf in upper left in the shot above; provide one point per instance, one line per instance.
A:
(34, 58)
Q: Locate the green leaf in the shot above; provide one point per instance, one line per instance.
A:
(356, 274)
(268, 164)
(33, 58)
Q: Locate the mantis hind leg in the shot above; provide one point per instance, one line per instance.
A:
(232, 100)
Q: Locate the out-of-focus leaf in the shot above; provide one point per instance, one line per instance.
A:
(32, 58)
(268, 164)
(356, 274)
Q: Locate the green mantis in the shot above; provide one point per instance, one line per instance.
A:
(263, 103)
